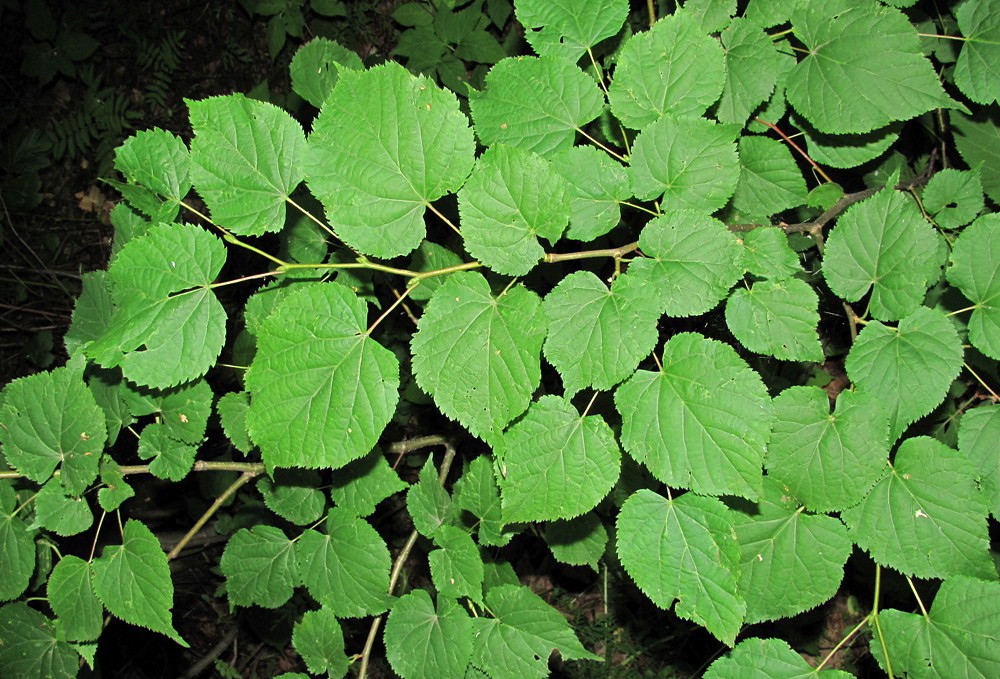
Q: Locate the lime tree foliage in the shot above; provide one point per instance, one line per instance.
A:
(611, 286)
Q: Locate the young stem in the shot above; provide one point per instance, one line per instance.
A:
(617, 253)
(311, 216)
(399, 300)
(795, 146)
(444, 219)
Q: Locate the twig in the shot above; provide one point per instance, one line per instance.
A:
(203, 519)
(212, 654)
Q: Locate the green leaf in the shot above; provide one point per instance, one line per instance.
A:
(517, 642)
(974, 261)
(673, 68)
(184, 411)
(847, 150)
(428, 503)
(413, 14)
(431, 257)
(259, 566)
(598, 336)
(156, 165)
(976, 139)
(321, 389)
(384, 146)
(691, 263)
(172, 459)
(132, 580)
(115, 490)
(293, 495)
(827, 460)
(52, 420)
(346, 569)
(691, 162)
(770, 181)
(232, 409)
(596, 185)
(159, 283)
(535, 103)
(479, 356)
(883, 244)
(361, 485)
(246, 160)
(978, 433)
(17, 548)
(926, 517)
(569, 29)
(953, 197)
(558, 463)
(908, 368)
(577, 542)
(92, 311)
(316, 67)
(957, 638)
(456, 566)
(767, 658)
(978, 68)
(712, 15)
(684, 549)
(751, 70)
(477, 492)
(72, 598)
(61, 513)
(320, 641)
(31, 647)
(825, 196)
(777, 318)
(703, 422)
(767, 254)
(512, 198)
(422, 640)
(790, 561)
(864, 68)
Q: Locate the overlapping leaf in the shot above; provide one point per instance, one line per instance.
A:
(17, 548)
(767, 658)
(477, 355)
(926, 517)
(156, 167)
(321, 389)
(770, 181)
(293, 495)
(778, 318)
(318, 638)
(568, 28)
(316, 67)
(702, 422)
(975, 259)
(159, 283)
(978, 434)
(424, 640)
(384, 146)
(751, 70)
(456, 566)
(361, 485)
(559, 464)
(596, 185)
(976, 139)
(684, 549)
(171, 459)
(428, 503)
(766, 254)
(477, 493)
(259, 566)
(577, 542)
(246, 159)
(72, 598)
(977, 72)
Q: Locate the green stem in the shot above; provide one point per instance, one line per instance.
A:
(843, 641)
(916, 595)
(617, 253)
(875, 622)
(603, 147)
(311, 216)
(795, 146)
(430, 206)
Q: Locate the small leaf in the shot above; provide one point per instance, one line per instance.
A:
(691, 263)
(321, 389)
(702, 423)
(883, 244)
(477, 492)
(577, 542)
(156, 166)
(978, 433)
(974, 261)
(428, 503)
(777, 318)
(318, 638)
(172, 460)
(362, 484)
(770, 658)
(431, 257)
(259, 566)
(926, 517)
(133, 582)
(246, 160)
(908, 368)
(72, 598)
(767, 254)
(456, 566)
(347, 569)
(384, 146)
(568, 30)
(17, 548)
(293, 495)
(953, 197)
(512, 198)
(61, 513)
(92, 311)
(479, 356)
(115, 490)
(31, 647)
(596, 185)
(232, 410)
(770, 181)
(316, 67)
(751, 70)
(671, 68)
(422, 640)
(684, 549)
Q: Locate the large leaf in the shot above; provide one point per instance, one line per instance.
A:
(957, 638)
(133, 582)
(568, 28)
(778, 318)
(863, 70)
(751, 70)
(790, 561)
(702, 422)
(422, 640)
(907, 368)
(755, 658)
(478, 355)
(975, 259)
(259, 566)
(828, 461)
(384, 146)
(72, 598)
(926, 517)
(684, 549)
(691, 263)
(536, 104)
(559, 464)
(598, 336)
(883, 244)
(512, 198)
(321, 389)
(977, 72)
(31, 647)
(674, 67)
(168, 326)
(17, 548)
(978, 434)
(246, 159)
